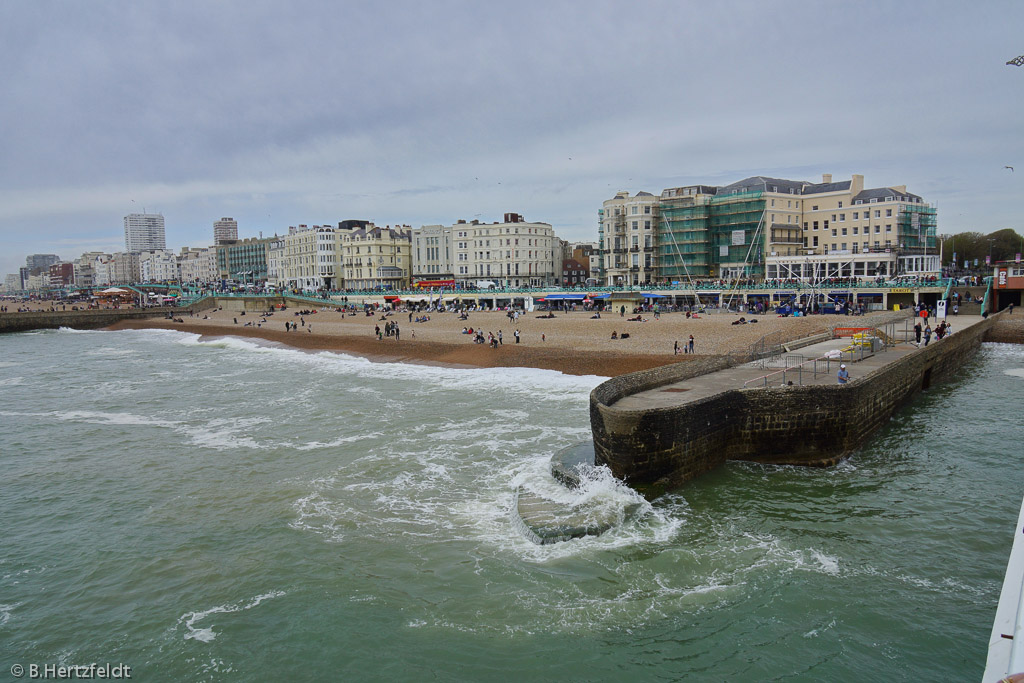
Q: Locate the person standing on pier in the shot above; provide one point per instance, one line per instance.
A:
(844, 375)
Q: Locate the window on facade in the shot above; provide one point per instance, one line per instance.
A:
(840, 205)
(647, 209)
(835, 233)
(636, 224)
(814, 207)
(888, 227)
(888, 213)
(844, 231)
(855, 230)
(647, 225)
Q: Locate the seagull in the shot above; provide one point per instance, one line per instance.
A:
(1009, 167)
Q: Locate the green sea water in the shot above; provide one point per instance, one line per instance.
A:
(225, 511)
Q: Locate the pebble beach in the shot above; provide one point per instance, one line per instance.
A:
(573, 343)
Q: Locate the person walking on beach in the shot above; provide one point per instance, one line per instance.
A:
(516, 335)
(675, 349)
(398, 333)
(844, 375)
(691, 343)
(500, 338)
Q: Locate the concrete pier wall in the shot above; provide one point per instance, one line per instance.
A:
(79, 320)
(809, 425)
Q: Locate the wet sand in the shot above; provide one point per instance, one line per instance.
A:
(572, 343)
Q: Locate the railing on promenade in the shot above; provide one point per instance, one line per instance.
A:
(695, 289)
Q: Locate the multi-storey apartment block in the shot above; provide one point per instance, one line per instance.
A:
(375, 257)
(144, 231)
(198, 266)
(513, 253)
(224, 230)
(764, 227)
(159, 265)
(627, 227)
(243, 260)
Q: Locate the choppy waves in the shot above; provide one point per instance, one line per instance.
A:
(205, 635)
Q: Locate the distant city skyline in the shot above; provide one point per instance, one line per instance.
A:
(456, 118)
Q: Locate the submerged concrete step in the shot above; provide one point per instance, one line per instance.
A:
(546, 521)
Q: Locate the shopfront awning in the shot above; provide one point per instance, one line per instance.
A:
(565, 297)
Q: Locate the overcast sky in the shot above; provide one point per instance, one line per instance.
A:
(281, 113)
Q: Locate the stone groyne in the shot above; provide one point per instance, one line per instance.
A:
(660, 448)
(89, 319)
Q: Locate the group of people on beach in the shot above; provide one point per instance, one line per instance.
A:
(390, 330)
(687, 347)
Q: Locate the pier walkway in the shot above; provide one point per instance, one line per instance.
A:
(815, 369)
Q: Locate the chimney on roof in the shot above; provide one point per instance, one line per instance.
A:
(826, 177)
(856, 185)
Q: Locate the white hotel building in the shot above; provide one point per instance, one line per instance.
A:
(513, 253)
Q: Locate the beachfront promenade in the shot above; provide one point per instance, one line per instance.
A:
(665, 426)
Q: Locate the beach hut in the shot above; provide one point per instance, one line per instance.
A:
(617, 300)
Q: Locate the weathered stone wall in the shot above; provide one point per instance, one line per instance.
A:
(79, 320)
(812, 425)
(255, 304)
(1008, 328)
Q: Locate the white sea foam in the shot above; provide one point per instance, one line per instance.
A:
(541, 385)
(5, 613)
(8, 364)
(71, 330)
(218, 434)
(1015, 372)
(814, 633)
(12, 382)
(205, 635)
(334, 443)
